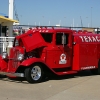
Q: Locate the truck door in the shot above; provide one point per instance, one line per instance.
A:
(64, 49)
(61, 54)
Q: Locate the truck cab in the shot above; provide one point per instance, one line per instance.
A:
(59, 51)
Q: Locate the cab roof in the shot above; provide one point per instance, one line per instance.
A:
(44, 30)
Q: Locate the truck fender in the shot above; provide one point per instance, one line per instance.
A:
(3, 64)
(30, 61)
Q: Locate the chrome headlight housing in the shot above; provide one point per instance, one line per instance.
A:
(5, 55)
(20, 57)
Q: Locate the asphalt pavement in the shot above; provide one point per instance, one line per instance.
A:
(81, 86)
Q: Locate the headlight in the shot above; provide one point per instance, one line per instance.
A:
(20, 57)
(4, 55)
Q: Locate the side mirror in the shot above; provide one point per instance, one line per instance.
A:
(63, 39)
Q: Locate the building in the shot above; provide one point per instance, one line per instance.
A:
(89, 29)
(6, 33)
(6, 23)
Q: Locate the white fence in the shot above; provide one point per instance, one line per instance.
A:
(6, 42)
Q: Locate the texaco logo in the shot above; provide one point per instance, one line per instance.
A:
(62, 59)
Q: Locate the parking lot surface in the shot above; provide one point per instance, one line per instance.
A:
(81, 86)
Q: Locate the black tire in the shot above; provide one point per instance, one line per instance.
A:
(34, 74)
(96, 71)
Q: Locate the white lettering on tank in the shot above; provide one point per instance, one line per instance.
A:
(97, 39)
(81, 38)
(86, 39)
(89, 38)
(93, 38)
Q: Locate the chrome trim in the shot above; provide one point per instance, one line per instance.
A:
(20, 57)
(36, 73)
(4, 55)
(12, 74)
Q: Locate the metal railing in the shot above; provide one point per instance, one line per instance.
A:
(5, 43)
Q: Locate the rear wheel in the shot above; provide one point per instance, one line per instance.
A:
(96, 71)
(34, 74)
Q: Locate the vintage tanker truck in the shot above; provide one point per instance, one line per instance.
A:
(48, 49)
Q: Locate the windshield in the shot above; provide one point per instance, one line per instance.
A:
(47, 37)
(18, 42)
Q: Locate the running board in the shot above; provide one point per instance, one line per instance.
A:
(12, 74)
(66, 72)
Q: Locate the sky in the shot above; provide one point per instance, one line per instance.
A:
(53, 12)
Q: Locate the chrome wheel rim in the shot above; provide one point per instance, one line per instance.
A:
(36, 73)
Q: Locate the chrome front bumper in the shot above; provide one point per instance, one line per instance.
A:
(12, 74)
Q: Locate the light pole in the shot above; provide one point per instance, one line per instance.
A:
(91, 16)
(43, 20)
(87, 21)
(65, 20)
(60, 22)
(49, 23)
(11, 7)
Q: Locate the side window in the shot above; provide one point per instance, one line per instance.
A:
(47, 37)
(62, 38)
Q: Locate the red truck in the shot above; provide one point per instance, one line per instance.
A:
(48, 49)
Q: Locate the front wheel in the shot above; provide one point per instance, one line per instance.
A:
(34, 74)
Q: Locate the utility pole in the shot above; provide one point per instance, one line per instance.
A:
(81, 22)
(10, 28)
(91, 16)
(11, 7)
